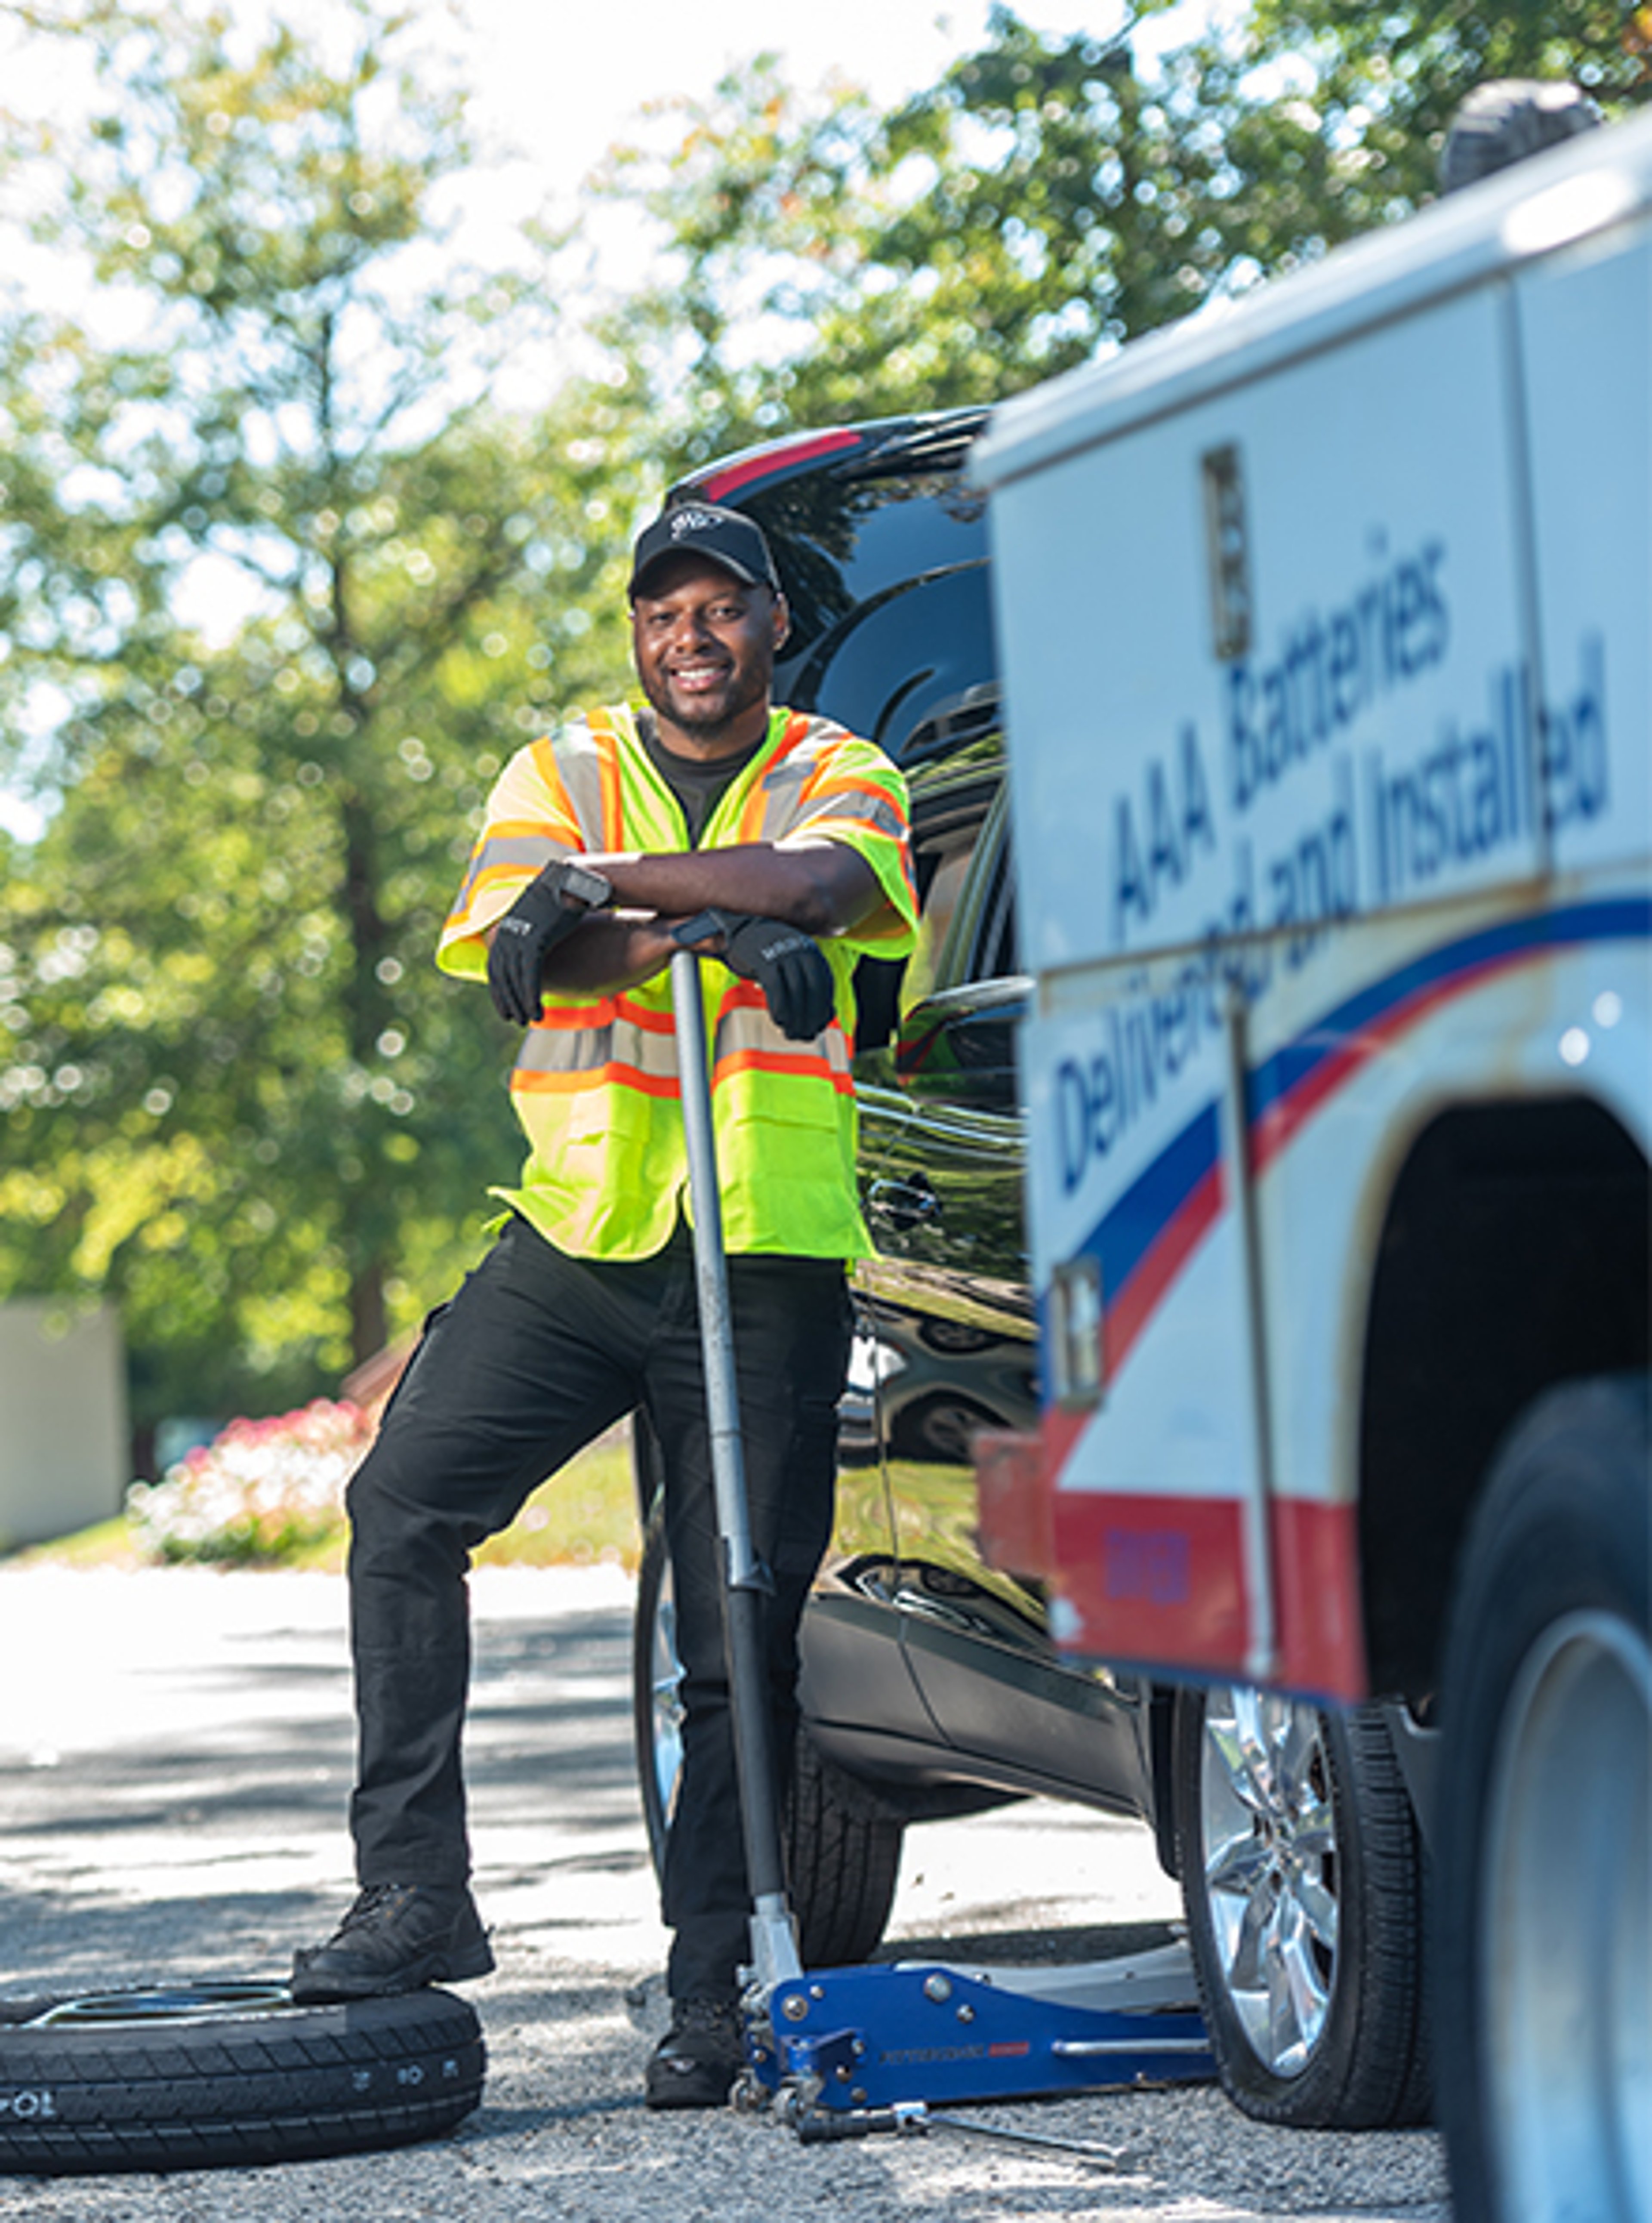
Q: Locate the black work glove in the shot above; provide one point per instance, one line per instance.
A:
(546, 912)
(787, 965)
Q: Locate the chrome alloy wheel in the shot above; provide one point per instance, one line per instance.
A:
(1268, 1847)
(666, 1709)
(183, 2003)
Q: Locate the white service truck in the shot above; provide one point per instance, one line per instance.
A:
(1326, 625)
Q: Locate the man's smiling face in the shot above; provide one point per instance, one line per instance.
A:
(705, 645)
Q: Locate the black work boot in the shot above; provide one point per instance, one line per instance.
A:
(395, 1938)
(697, 2061)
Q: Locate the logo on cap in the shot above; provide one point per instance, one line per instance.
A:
(701, 529)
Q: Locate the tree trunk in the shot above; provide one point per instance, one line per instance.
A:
(369, 1324)
(363, 1204)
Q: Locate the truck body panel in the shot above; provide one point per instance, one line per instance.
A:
(1327, 631)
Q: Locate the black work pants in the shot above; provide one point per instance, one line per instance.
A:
(536, 1354)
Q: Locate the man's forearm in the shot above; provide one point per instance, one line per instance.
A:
(607, 952)
(823, 887)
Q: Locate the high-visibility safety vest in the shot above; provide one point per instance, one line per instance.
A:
(596, 1084)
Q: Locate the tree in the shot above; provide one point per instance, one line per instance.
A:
(237, 1097)
(1382, 83)
(824, 261)
(1049, 197)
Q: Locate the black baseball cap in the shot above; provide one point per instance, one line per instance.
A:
(727, 536)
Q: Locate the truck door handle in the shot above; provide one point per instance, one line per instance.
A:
(905, 1203)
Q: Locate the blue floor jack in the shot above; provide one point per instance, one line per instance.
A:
(841, 2052)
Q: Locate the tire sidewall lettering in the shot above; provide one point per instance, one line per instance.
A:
(168, 2085)
(38, 2106)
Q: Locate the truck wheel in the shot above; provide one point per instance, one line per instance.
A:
(1545, 1877)
(1301, 1876)
(225, 2076)
(843, 1852)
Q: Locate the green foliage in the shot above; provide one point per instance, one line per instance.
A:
(239, 1100)
(583, 1515)
(1407, 66)
(1049, 197)
(1354, 138)
(824, 261)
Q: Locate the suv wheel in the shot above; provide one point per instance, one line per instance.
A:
(1545, 1866)
(842, 1850)
(1302, 1878)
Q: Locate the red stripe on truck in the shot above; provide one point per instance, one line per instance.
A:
(1149, 1580)
(717, 486)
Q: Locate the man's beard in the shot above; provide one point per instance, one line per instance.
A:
(749, 688)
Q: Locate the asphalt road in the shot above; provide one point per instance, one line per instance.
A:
(175, 1751)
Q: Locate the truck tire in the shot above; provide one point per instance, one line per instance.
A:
(1545, 1875)
(1300, 1868)
(225, 2076)
(1508, 120)
(842, 1851)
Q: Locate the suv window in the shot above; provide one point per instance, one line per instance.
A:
(845, 541)
(961, 853)
(884, 565)
(961, 994)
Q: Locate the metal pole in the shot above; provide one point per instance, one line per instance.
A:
(1261, 1654)
(747, 1585)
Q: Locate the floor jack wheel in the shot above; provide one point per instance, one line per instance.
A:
(747, 2096)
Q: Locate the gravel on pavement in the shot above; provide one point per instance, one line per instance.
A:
(176, 1745)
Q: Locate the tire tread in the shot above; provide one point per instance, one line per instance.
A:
(844, 1863)
(207, 2097)
(1562, 1524)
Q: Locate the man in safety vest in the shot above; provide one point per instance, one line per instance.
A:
(598, 842)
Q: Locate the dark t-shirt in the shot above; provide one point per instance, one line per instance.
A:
(697, 786)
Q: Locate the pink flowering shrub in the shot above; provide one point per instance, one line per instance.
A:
(260, 1490)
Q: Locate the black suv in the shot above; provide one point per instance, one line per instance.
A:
(931, 1684)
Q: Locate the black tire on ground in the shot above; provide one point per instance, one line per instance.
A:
(227, 2076)
(1545, 1874)
(843, 1852)
(1302, 1878)
(843, 1862)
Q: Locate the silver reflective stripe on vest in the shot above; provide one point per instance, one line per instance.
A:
(745, 1027)
(565, 1049)
(781, 783)
(579, 766)
(591, 1049)
(862, 806)
(506, 852)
